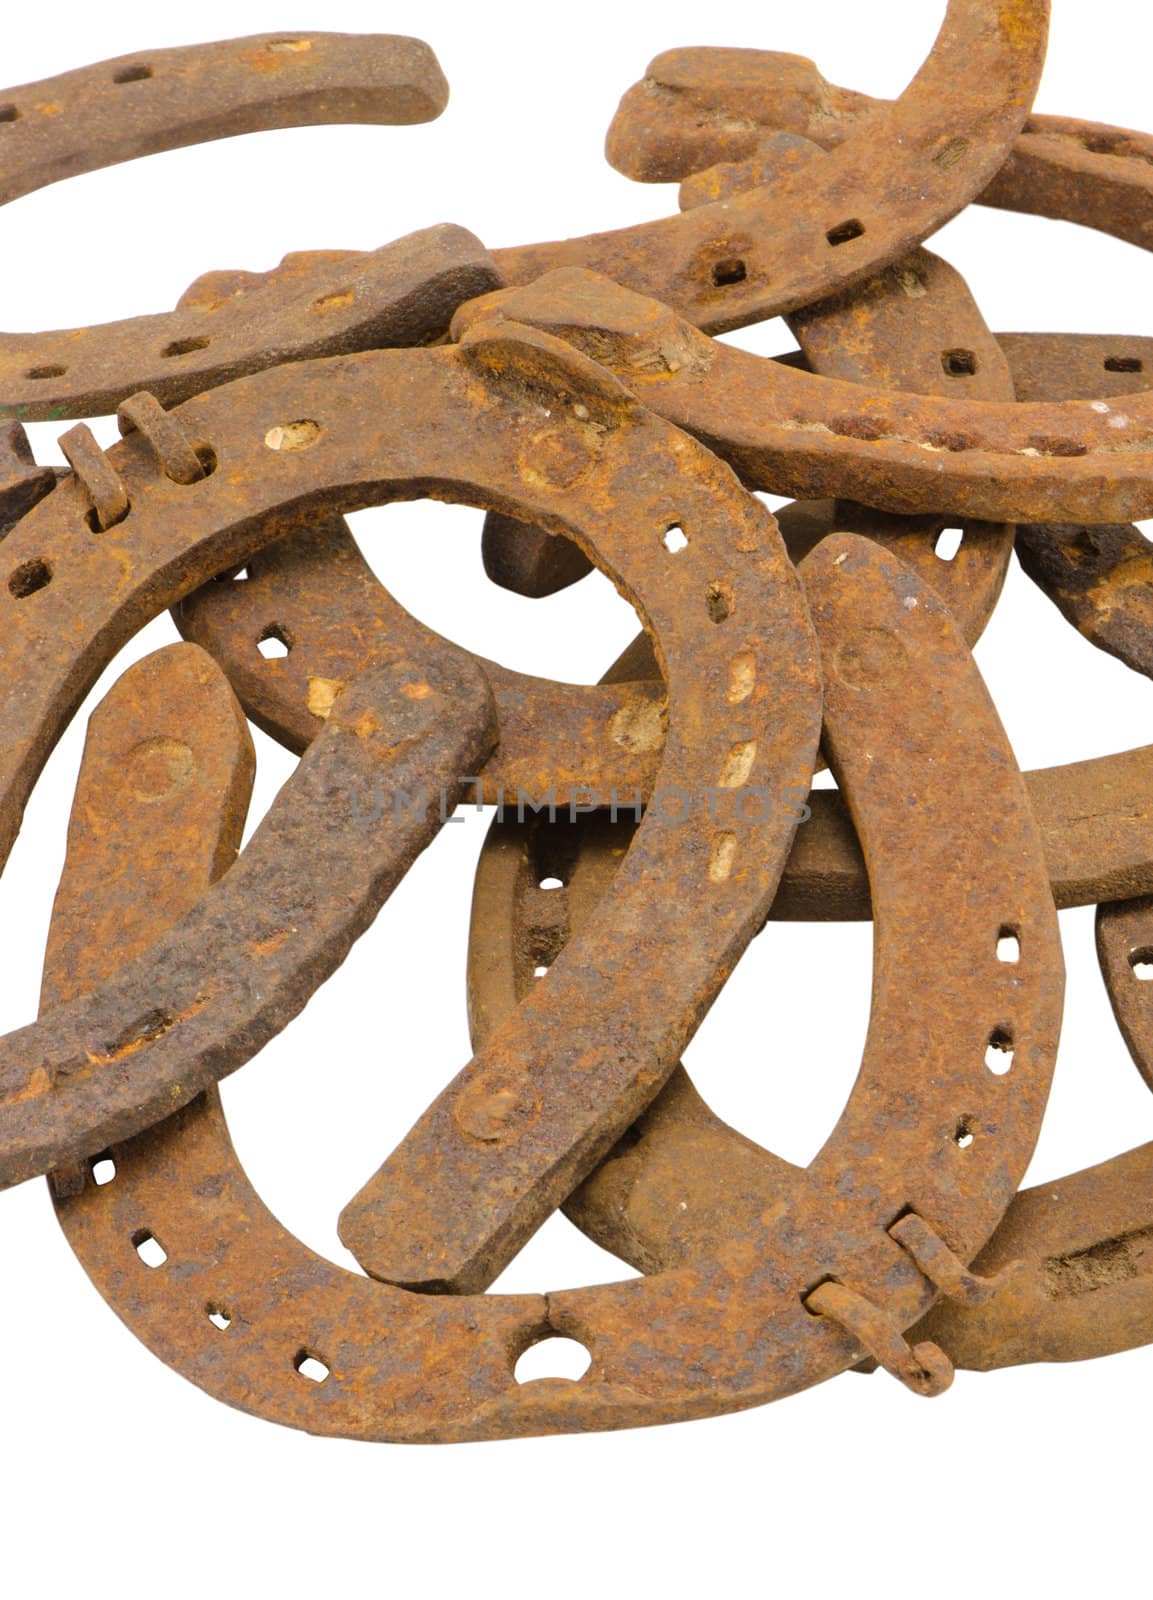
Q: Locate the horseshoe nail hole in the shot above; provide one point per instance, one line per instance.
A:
(300, 435)
(846, 232)
(185, 347)
(134, 74)
(949, 542)
(551, 883)
(733, 270)
(38, 374)
(206, 455)
(959, 363)
(9, 114)
(149, 1248)
(219, 1316)
(29, 578)
(556, 1357)
(999, 1052)
(274, 643)
(1124, 364)
(719, 601)
(310, 1366)
(675, 539)
(103, 1170)
(1009, 946)
(539, 972)
(963, 1135)
(239, 575)
(1141, 961)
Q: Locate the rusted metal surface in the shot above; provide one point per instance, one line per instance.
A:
(238, 1305)
(914, 326)
(22, 482)
(473, 424)
(1125, 951)
(809, 234)
(861, 658)
(718, 119)
(682, 1180)
(1101, 579)
(243, 962)
(795, 433)
(572, 741)
(1046, 367)
(137, 105)
(402, 294)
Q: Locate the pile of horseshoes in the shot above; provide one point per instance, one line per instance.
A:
(574, 392)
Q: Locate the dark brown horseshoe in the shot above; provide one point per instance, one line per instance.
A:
(793, 433)
(233, 971)
(241, 1308)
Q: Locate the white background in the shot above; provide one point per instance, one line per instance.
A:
(116, 1476)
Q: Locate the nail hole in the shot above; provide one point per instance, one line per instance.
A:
(219, 1316)
(846, 232)
(1124, 364)
(1062, 448)
(959, 363)
(719, 601)
(206, 455)
(551, 883)
(728, 272)
(103, 1170)
(38, 374)
(135, 74)
(555, 1357)
(300, 435)
(28, 578)
(149, 1248)
(185, 347)
(289, 46)
(9, 114)
(1141, 960)
(1009, 946)
(274, 643)
(310, 1366)
(963, 1136)
(675, 539)
(949, 542)
(938, 439)
(999, 1052)
(539, 972)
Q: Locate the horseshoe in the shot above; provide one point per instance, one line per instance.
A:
(1099, 579)
(794, 242)
(721, 119)
(918, 165)
(165, 99)
(798, 434)
(240, 1307)
(498, 422)
(575, 741)
(1084, 1286)
(243, 962)
(915, 326)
